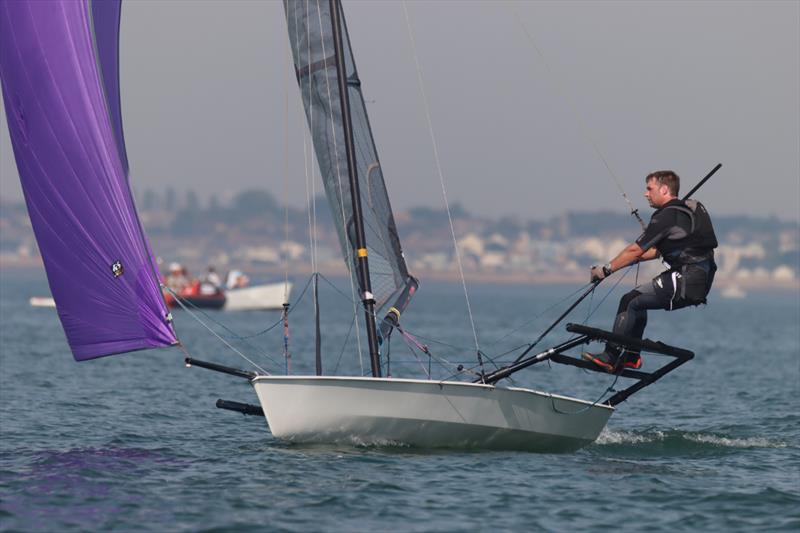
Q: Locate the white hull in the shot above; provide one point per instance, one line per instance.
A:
(259, 297)
(428, 414)
(42, 301)
(733, 292)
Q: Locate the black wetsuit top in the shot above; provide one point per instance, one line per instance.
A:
(667, 230)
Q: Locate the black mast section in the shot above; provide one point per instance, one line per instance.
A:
(361, 263)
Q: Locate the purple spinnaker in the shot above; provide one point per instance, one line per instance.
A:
(73, 177)
(105, 25)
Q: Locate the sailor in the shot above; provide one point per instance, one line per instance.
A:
(236, 280)
(681, 234)
(211, 282)
(177, 278)
(212, 277)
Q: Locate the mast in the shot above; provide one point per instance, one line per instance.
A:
(360, 259)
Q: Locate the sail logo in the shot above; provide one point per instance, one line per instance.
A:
(117, 269)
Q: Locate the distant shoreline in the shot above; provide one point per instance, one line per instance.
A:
(506, 278)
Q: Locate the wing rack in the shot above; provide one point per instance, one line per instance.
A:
(587, 335)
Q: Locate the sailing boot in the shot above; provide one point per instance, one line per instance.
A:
(631, 360)
(607, 360)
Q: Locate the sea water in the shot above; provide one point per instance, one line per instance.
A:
(134, 442)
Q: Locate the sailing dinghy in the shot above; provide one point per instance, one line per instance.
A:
(60, 81)
(377, 409)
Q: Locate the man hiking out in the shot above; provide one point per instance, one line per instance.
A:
(681, 234)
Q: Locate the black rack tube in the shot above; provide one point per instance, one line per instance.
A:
(506, 371)
(219, 368)
(559, 319)
(702, 181)
(244, 408)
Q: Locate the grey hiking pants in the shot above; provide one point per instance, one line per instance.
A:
(670, 290)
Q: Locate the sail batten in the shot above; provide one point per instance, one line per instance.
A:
(62, 103)
(313, 50)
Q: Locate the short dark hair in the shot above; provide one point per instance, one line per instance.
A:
(668, 178)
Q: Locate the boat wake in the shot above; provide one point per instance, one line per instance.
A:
(685, 440)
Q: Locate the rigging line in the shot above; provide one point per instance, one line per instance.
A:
(425, 349)
(588, 311)
(439, 171)
(441, 360)
(514, 349)
(233, 334)
(348, 250)
(480, 365)
(286, 171)
(558, 320)
(182, 302)
(537, 317)
(603, 299)
(270, 328)
(344, 344)
(527, 345)
(584, 409)
(579, 119)
(306, 155)
(346, 296)
(311, 192)
(388, 356)
(416, 357)
(428, 339)
(226, 343)
(310, 162)
(343, 294)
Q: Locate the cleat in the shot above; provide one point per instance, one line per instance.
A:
(604, 360)
(632, 360)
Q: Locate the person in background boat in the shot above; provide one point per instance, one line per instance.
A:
(211, 282)
(212, 277)
(236, 280)
(681, 234)
(177, 279)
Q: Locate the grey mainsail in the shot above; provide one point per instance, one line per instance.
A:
(313, 50)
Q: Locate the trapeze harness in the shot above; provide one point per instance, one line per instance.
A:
(687, 250)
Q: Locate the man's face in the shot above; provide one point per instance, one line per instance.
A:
(657, 194)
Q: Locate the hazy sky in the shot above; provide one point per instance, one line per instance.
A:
(206, 93)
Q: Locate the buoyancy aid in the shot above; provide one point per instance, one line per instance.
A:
(691, 259)
(698, 246)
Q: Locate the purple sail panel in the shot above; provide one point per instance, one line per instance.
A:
(105, 26)
(80, 205)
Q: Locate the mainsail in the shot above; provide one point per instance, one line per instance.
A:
(59, 71)
(313, 50)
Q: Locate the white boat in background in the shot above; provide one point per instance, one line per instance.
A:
(265, 297)
(258, 297)
(42, 301)
(733, 292)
